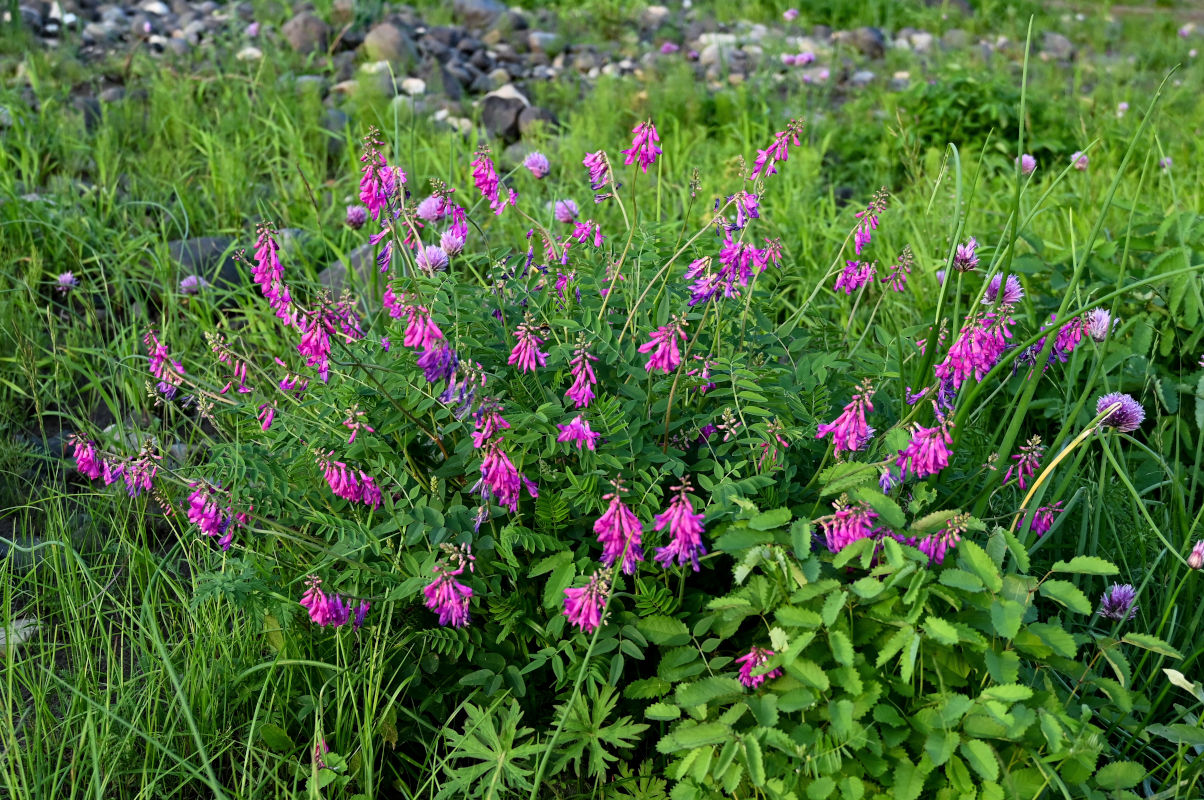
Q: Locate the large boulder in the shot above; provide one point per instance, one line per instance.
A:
(208, 257)
(478, 13)
(306, 33)
(387, 42)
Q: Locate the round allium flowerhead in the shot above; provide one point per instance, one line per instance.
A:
(432, 258)
(790, 14)
(1099, 323)
(1028, 164)
(669, 48)
(1127, 418)
(788, 59)
(451, 243)
(193, 284)
(1165, 162)
(1121, 108)
(1013, 292)
(356, 217)
(1119, 602)
(1196, 559)
(66, 282)
(1079, 159)
(431, 209)
(566, 211)
(538, 164)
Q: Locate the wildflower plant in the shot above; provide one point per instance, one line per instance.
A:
(596, 462)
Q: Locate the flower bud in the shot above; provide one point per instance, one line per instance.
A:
(1196, 559)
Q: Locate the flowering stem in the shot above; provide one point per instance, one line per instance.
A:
(681, 368)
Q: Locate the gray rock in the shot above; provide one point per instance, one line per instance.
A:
(714, 54)
(478, 13)
(311, 83)
(499, 116)
(545, 42)
(334, 123)
(100, 32)
(533, 116)
(1056, 46)
(870, 42)
(434, 47)
(249, 54)
(306, 33)
(922, 41)
(654, 17)
(32, 18)
(156, 7)
(209, 257)
(955, 39)
(362, 260)
(386, 42)
(178, 46)
(112, 94)
(90, 108)
(862, 78)
(413, 86)
(6, 117)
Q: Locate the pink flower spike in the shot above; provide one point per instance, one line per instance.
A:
(685, 531)
(86, 460)
(928, 451)
(526, 353)
(663, 344)
(619, 533)
(581, 392)
(849, 430)
(584, 606)
(578, 432)
(643, 147)
(755, 658)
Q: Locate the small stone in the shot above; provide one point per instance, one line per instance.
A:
(955, 39)
(922, 41)
(654, 17)
(306, 33)
(871, 42)
(499, 115)
(500, 77)
(530, 118)
(1056, 46)
(363, 262)
(156, 7)
(112, 94)
(334, 123)
(249, 54)
(545, 42)
(862, 78)
(900, 80)
(478, 13)
(413, 86)
(209, 257)
(386, 42)
(178, 46)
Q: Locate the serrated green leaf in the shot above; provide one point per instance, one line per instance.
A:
(909, 780)
(662, 712)
(1067, 594)
(981, 758)
(690, 735)
(1056, 637)
(1151, 643)
(941, 631)
(795, 617)
(707, 690)
(867, 588)
(888, 510)
(664, 630)
(809, 673)
(765, 708)
(1086, 565)
(974, 559)
(841, 646)
(753, 760)
(1007, 693)
(1119, 775)
(768, 520)
(844, 477)
(960, 579)
(1003, 667)
(1005, 617)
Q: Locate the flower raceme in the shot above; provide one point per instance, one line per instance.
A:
(445, 595)
(619, 533)
(927, 453)
(526, 354)
(584, 605)
(854, 275)
(850, 523)
(778, 151)
(86, 458)
(643, 148)
(584, 379)
(750, 661)
(577, 432)
(662, 343)
(685, 531)
(324, 610)
(849, 430)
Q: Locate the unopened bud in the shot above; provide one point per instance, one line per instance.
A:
(1196, 559)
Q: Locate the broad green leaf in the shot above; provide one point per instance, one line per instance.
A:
(1054, 734)
(1056, 637)
(664, 630)
(844, 477)
(960, 579)
(1004, 667)
(842, 647)
(941, 631)
(1007, 693)
(276, 738)
(795, 617)
(753, 761)
(1006, 616)
(940, 746)
(888, 510)
(800, 538)
(689, 736)
(820, 788)
(1152, 643)
(1067, 594)
(809, 673)
(974, 559)
(909, 780)
(981, 758)
(768, 520)
(867, 588)
(662, 712)
(647, 688)
(1179, 733)
(765, 708)
(707, 690)
(1086, 565)
(1119, 775)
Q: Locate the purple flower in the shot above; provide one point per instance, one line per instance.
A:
(790, 14)
(378, 180)
(927, 453)
(848, 524)
(1165, 162)
(663, 344)
(685, 531)
(169, 371)
(1013, 292)
(361, 611)
(269, 274)
(854, 275)
(778, 150)
(485, 178)
(619, 534)
(431, 208)
(356, 217)
(565, 211)
(755, 658)
(323, 609)
(936, 545)
(583, 606)
(1079, 159)
(577, 431)
(438, 362)
(849, 430)
(538, 164)
(448, 598)
(451, 243)
(1027, 461)
(1028, 164)
(867, 221)
(1126, 418)
(978, 347)
(598, 171)
(1099, 323)
(252, 30)
(1043, 518)
(192, 284)
(267, 414)
(669, 48)
(526, 353)
(500, 479)
(1121, 108)
(581, 392)
(431, 259)
(643, 147)
(1118, 602)
(86, 460)
(65, 282)
(965, 258)
(900, 270)
(1196, 559)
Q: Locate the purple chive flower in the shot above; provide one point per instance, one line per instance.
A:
(1099, 323)
(431, 208)
(526, 354)
(1013, 292)
(753, 659)
(643, 147)
(849, 430)
(927, 453)
(324, 609)
(1043, 518)
(252, 30)
(451, 243)
(356, 217)
(1027, 461)
(1127, 418)
(565, 211)
(663, 344)
(854, 275)
(85, 455)
(584, 605)
(965, 258)
(538, 164)
(1118, 602)
(582, 392)
(1028, 164)
(787, 59)
(1079, 159)
(1165, 162)
(431, 259)
(619, 533)
(685, 531)
(1196, 559)
(848, 524)
(65, 282)
(1121, 108)
(577, 431)
(778, 150)
(669, 48)
(790, 14)
(193, 284)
